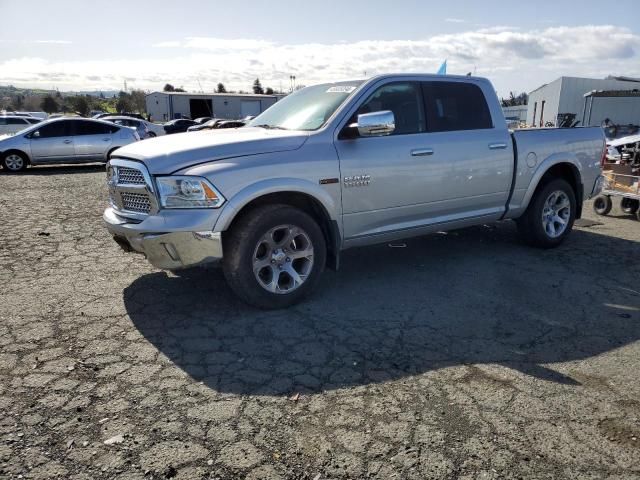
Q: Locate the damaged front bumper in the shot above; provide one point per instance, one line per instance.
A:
(170, 250)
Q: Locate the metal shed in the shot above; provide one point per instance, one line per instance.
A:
(164, 106)
(621, 107)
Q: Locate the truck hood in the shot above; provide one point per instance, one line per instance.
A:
(169, 153)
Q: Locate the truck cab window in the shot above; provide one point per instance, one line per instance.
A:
(453, 106)
(404, 99)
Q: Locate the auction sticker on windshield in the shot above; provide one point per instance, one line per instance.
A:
(341, 89)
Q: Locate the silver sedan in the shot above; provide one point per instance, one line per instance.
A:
(63, 140)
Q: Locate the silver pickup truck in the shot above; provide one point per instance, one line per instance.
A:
(345, 164)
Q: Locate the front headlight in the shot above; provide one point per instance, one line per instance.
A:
(187, 192)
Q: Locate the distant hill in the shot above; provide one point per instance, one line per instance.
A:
(8, 90)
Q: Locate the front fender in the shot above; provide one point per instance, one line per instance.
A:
(274, 185)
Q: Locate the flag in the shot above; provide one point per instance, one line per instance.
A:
(443, 69)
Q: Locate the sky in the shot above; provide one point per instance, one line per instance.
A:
(85, 45)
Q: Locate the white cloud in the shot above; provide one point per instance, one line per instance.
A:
(168, 44)
(512, 58)
(55, 42)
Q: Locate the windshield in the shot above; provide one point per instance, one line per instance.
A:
(306, 109)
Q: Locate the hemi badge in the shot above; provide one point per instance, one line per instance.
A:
(327, 181)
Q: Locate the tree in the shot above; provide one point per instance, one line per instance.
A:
(169, 88)
(81, 105)
(138, 100)
(49, 104)
(269, 91)
(124, 103)
(257, 87)
(221, 89)
(513, 100)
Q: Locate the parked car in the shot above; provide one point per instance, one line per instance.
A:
(206, 125)
(201, 120)
(63, 140)
(231, 124)
(341, 165)
(139, 125)
(154, 130)
(120, 114)
(178, 126)
(13, 124)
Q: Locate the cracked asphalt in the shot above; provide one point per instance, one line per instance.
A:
(460, 355)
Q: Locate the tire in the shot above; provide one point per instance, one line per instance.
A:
(550, 215)
(602, 204)
(262, 240)
(15, 162)
(629, 205)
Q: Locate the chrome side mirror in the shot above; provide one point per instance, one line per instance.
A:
(375, 124)
(35, 134)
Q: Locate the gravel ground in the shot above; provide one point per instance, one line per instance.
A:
(460, 355)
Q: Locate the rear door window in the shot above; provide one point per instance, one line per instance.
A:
(83, 127)
(453, 106)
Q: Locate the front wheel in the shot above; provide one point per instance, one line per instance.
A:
(273, 256)
(15, 162)
(550, 215)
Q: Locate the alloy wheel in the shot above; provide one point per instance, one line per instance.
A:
(283, 259)
(556, 213)
(14, 162)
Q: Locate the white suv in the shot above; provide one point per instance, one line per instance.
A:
(12, 123)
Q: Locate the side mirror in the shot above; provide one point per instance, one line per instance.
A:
(36, 134)
(375, 124)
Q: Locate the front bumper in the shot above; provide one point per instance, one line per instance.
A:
(166, 250)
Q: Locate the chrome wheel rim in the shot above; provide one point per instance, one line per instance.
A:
(283, 259)
(14, 162)
(556, 213)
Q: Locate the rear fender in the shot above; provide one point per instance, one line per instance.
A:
(543, 168)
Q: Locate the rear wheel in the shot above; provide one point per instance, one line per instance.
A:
(550, 215)
(15, 161)
(629, 205)
(602, 204)
(273, 256)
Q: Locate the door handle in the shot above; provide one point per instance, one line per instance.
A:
(497, 146)
(105, 139)
(67, 141)
(421, 152)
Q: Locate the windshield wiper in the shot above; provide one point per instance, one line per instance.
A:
(270, 127)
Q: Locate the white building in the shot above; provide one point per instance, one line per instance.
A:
(514, 115)
(565, 96)
(164, 106)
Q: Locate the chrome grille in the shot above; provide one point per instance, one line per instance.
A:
(135, 202)
(131, 189)
(130, 176)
